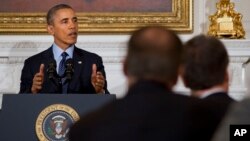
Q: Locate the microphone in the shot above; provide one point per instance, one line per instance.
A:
(69, 69)
(52, 74)
(52, 69)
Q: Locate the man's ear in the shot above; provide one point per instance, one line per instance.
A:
(50, 29)
(181, 72)
(227, 80)
(125, 67)
(228, 76)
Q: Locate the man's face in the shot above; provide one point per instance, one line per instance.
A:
(64, 28)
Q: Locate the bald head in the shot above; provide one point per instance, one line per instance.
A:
(154, 53)
(154, 38)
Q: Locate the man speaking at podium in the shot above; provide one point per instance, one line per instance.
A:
(63, 68)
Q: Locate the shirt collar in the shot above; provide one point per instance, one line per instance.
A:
(57, 51)
(211, 91)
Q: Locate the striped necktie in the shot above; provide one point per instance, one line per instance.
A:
(61, 72)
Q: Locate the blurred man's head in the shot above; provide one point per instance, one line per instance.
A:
(154, 54)
(62, 24)
(205, 62)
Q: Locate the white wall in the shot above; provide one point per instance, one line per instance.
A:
(16, 48)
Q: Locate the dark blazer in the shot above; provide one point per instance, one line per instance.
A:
(216, 106)
(81, 80)
(220, 101)
(148, 112)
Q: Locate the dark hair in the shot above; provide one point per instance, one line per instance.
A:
(53, 10)
(154, 52)
(205, 62)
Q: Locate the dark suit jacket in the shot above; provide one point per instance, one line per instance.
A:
(148, 112)
(216, 106)
(81, 81)
(220, 101)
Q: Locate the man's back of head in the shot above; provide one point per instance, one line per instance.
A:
(153, 53)
(205, 61)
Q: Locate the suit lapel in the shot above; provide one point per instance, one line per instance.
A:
(47, 58)
(48, 55)
(78, 59)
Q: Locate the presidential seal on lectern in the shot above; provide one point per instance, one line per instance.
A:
(54, 121)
